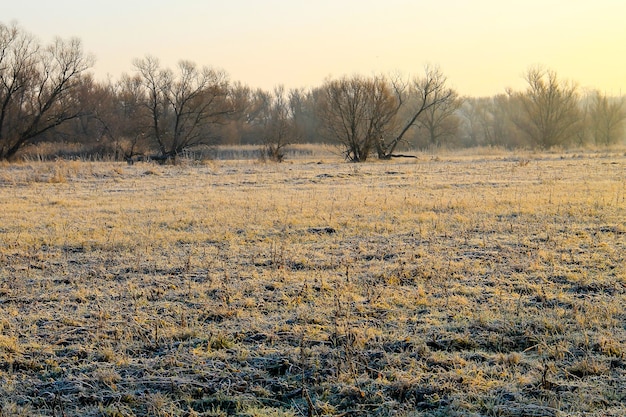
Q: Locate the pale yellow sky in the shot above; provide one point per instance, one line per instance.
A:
(483, 46)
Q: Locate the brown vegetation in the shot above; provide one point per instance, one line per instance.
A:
(449, 285)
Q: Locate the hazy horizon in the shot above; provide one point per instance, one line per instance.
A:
(482, 46)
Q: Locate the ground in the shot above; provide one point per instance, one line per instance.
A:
(450, 285)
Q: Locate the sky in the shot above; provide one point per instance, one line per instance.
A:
(482, 46)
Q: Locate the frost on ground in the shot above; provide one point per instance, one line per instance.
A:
(452, 286)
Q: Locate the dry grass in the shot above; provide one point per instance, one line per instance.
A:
(451, 286)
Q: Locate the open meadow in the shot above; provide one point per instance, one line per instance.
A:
(455, 285)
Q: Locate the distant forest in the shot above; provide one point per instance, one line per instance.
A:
(48, 95)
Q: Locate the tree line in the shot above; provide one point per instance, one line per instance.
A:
(47, 94)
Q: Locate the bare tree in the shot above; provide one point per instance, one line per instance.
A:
(548, 109)
(487, 122)
(427, 93)
(497, 125)
(607, 117)
(356, 112)
(441, 121)
(94, 99)
(472, 113)
(278, 126)
(118, 108)
(37, 84)
(374, 114)
(495, 122)
(182, 107)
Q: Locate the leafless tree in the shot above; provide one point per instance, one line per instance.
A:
(472, 113)
(441, 122)
(366, 115)
(498, 127)
(37, 86)
(486, 122)
(607, 117)
(356, 112)
(423, 94)
(183, 106)
(278, 125)
(548, 109)
(85, 132)
(118, 108)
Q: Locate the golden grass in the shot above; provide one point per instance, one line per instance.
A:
(451, 285)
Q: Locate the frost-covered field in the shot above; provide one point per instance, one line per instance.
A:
(449, 286)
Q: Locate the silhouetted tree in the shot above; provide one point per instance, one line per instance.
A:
(428, 93)
(182, 107)
(357, 112)
(37, 86)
